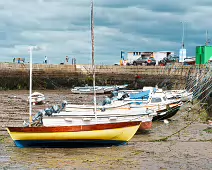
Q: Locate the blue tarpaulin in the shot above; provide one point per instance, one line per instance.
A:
(140, 95)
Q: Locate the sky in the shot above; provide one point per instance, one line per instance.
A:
(62, 27)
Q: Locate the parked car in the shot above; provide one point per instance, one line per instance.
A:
(169, 59)
(189, 61)
(145, 61)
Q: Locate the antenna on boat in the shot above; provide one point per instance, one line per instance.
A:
(93, 63)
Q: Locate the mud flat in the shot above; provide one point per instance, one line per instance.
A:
(159, 148)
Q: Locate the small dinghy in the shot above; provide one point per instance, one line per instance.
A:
(37, 98)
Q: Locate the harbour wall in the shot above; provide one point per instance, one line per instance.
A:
(16, 76)
(49, 76)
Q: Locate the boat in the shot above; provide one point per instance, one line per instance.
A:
(87, 107)
(183, 95)
(97, 134)
(37, 98)
(123, 109)
(98, 89)
(151, 98)
(87, 90)
(74, 136)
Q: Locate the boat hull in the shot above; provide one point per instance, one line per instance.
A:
(70, 136)
(145, 126)
(168, 114)
(66, 144)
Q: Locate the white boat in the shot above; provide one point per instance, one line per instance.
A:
(89, 118)
(151, 99)
(37, 98)
(98, 89)
(179, 94)
(87, 90)
(86, 107)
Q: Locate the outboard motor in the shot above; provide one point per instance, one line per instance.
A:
(64, 103)
(114, 93)
(124, 95)
(107, 100)
(48, 112)
(37, 120)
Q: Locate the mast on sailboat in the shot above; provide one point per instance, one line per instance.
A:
(31, 48)
(30, 87)
(93, 63)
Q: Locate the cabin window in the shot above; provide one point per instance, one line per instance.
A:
(134, 53)
(164, 98)
(156, 100)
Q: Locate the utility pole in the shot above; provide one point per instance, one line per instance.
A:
(207, 41)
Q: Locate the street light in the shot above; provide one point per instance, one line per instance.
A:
(183, 34)
(181, 56)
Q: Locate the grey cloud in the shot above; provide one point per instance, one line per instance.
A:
(63, 27)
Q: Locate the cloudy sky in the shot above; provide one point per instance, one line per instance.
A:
(62, 27)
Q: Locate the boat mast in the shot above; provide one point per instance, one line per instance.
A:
(93, 63)
(30, 88)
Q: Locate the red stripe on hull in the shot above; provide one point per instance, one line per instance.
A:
(73, 128)
(145, 126)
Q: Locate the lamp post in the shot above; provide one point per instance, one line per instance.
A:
(181, 56)
(183, 34)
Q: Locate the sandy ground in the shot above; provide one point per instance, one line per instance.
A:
(191, 148)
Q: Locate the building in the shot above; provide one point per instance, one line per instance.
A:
(203, 54)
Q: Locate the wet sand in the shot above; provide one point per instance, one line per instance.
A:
(189, 149)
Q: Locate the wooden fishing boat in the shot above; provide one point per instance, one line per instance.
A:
(74, 136)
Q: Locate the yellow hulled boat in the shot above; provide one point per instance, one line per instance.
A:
(74, 136)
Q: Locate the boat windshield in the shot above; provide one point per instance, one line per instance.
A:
(156, 100)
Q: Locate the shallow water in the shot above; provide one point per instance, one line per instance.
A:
(189, 149)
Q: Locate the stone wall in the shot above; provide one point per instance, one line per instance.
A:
(45, 76)
(15, 76)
